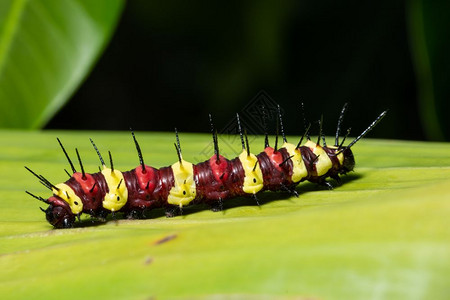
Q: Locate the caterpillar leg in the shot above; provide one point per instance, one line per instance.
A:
(101, 215)
(256, 199)
(290, 190)
(59, 217)
(217, 205)
(326, 184)
(135, 214)
(173, 211)
(337, 179)
(320, 180)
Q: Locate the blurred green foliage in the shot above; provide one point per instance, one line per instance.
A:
(429, 23)
(171, 60)
(46, 50)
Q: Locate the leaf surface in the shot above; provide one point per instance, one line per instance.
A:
(384, 233)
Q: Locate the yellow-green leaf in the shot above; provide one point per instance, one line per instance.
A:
(383, 234)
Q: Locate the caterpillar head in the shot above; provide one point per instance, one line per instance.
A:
(348, 163)
(64, 205)
(58, 214)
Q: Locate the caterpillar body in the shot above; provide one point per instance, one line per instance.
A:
(183, 183)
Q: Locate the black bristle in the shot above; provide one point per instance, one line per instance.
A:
(81, 164)
(254, 167)
(339, 124)
(286, 160)
(305, 133)
(266, 135)
(240, 131)
(276, 135)
(178, 147)
(215, 139)
(281, 124)
(371, 126)
(111, 162)
(302, 107)
(43, 180)
(320, 131)
(93, 187)
(98, 153)
(345, 136)
(67, 156)
(138, 149)
(38, 197)
(246, 142)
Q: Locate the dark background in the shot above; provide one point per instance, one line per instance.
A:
(170, 63)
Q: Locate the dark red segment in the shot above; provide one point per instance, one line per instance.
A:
(276, 168)
(57, 201)
(286, 165)
(219, 167)
(336, 165)
(87, 182)
(235, 180)
(147, 178)
(309, 158)
(276, 157)
(139, 198)
(210, 178)
(91, 189)
(165, 183)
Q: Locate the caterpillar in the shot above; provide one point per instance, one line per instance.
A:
(212, 181)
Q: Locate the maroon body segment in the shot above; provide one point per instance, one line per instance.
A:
(309, 158)
(276, 168)
(336, 165)
(138, 198)
(235, 178)
(210, 178)
(91, 189)
(165, 183)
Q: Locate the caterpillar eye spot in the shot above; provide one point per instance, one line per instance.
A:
(254, 180)
(75, 202)
(118, 198)
(184, 192)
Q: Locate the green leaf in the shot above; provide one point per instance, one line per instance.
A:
(428, 24)
(46, 49)
(383, 234)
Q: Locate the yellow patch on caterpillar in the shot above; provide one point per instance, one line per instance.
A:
(184, 190)
(66, 193)
(299, 170)
(117, 195)
(340, 156)
(323, 162)
(253, 179)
